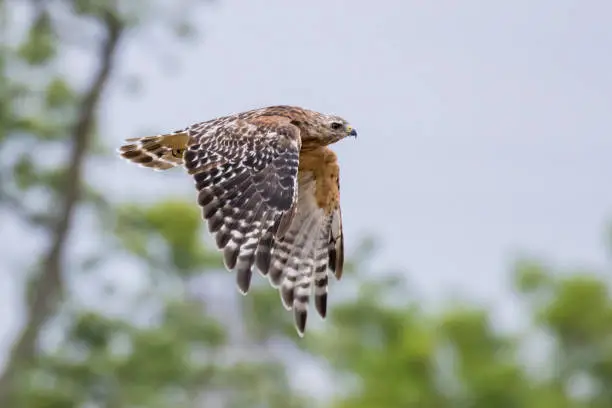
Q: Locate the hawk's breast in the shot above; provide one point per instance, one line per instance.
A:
(323, 164)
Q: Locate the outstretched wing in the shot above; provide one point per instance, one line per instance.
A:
(299, 261)
(245, 172)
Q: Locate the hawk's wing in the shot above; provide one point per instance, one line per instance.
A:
(246, 176)
(312, 245)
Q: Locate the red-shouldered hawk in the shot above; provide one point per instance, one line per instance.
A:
(269, 190)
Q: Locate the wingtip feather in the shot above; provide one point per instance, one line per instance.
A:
(321, 305)
(300, 317)
(243, 280)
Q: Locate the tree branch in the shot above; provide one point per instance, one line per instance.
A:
(48, 288)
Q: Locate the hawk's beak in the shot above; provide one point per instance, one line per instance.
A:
(350, 131)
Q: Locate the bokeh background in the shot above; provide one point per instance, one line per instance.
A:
(476, 203)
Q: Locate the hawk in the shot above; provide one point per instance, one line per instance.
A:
(268, 185)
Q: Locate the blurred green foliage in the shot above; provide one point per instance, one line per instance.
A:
(402, 356)
(379, 348)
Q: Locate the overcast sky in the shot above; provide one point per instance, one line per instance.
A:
(485, 128)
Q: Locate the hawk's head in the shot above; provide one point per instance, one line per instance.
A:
(322, 129)
(337, 128)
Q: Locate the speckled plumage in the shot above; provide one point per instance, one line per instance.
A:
(268, 186)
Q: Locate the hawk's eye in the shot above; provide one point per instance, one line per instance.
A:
(336, 126)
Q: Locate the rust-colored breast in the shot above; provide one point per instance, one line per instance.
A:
(323, 164)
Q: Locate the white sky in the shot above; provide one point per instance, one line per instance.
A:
(485, 128)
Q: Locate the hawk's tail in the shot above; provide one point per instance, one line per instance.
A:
(159, 152)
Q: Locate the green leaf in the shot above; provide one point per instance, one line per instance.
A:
(530, 276)
(59, 94)
(41, 43)
(25, 172)
(40, 127)
(93, 330)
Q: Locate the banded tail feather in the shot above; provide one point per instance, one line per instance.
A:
(159, 152)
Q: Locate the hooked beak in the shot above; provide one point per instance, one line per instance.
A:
(350, 131)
